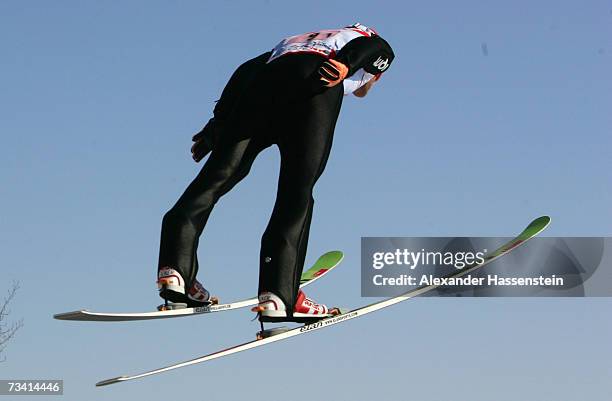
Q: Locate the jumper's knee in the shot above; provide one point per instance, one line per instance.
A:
(297, 197)
(177, 218)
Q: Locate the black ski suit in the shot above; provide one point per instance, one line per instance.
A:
(282, 102)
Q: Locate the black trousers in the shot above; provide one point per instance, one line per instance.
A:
(282, 106)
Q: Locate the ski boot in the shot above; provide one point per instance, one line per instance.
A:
(272, 309)
(172, 289)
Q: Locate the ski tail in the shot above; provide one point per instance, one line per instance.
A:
(114, 380)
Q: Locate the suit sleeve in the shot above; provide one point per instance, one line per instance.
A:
(372, 53)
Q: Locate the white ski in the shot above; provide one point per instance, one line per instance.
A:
(321, 267)
(534, 228)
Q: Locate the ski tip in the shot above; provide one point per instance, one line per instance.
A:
(323, 265)
(333, 257)
(541, 222)
(338, 255)
(114, 380)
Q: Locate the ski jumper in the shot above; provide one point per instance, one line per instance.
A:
(274, 99)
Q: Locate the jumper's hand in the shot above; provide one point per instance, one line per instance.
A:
(204, 141)
(332, 72)
(199, 149)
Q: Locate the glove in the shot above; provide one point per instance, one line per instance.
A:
(332, 72)
(205, 140)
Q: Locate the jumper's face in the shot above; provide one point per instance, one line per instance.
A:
(363, 91)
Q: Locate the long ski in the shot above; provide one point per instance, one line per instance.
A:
(321, 267)
(533, 229)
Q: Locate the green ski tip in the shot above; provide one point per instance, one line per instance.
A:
(326, 262)
(535, 227)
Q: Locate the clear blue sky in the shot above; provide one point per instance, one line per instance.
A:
(98, 102)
